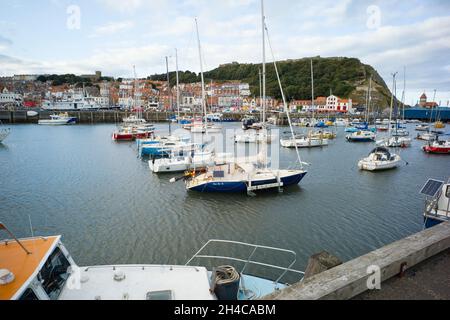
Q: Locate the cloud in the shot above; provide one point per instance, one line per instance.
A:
(112, 28)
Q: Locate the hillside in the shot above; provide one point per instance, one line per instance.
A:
(344, 77)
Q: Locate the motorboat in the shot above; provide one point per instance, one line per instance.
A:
(400, 133)
(340, 122)
(133, 119)
(382, 127)
(422, 127)
(323, 134)
(197, 160)
(254, 137)
(361, 136)
(304, 141)
(396, 142)
(380, 159)
(131, 133)
(437, 203)
(427, 136)
(58, 120)
(42, 268)
(439, 125)
(437, 146)
(167, 148)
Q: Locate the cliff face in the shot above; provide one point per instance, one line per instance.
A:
(344, 77)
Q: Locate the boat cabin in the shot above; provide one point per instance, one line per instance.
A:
(437, 203)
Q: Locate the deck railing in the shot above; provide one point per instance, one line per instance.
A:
(249, 260)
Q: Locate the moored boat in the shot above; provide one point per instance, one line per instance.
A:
(41, 268)
(58, 119)
(379, 159)
(437, 207)
(437, 147)
(361, 136)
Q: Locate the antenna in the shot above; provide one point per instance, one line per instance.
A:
(3, 227)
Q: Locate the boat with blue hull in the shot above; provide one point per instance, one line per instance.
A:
(437, 202)
(237, 178)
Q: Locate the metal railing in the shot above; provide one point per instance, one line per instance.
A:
(249, 260)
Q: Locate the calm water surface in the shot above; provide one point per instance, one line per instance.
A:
(111, 209)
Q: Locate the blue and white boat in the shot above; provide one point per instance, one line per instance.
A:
(361, 136)
(167, 148)
(437, 208)
(243, 177)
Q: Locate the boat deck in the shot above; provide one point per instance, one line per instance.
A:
(21, 264)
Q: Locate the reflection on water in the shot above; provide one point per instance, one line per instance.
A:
(111, 209)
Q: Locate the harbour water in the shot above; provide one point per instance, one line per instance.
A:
(110, 209)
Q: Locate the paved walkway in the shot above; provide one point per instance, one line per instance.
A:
(429, 280)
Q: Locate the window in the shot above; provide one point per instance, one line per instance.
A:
(160, 295)
(28, 295)
(54, 274)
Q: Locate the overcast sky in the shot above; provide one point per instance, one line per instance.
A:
(48, 36)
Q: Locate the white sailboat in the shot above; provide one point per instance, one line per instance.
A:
(380, 158)
(310, 140)
(248, 176)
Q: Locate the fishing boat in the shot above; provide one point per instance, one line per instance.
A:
(437, 147)
(303, 141)
(379, 159)
(41, 268)
(4, 132)
(197, 160)
(437, 203)
(58, 120)
(361, 136)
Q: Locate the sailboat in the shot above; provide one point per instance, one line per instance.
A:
(380, 158)
(312, 139)
(4, 132)
(248, 176)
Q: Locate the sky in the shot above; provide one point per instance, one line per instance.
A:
(81, 36)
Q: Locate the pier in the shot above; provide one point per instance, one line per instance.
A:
(410, 269)
(116, 116)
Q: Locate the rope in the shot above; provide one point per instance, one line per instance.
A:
(225, 275)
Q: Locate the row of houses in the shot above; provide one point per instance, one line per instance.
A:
(323, 104)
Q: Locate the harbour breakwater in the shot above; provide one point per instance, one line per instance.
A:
(116, 116)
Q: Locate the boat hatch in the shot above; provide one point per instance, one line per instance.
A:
(160, 295)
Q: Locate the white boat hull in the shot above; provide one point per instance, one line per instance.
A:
(303, 143)
(378, 165)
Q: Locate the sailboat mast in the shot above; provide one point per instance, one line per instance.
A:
(312, 86)
(369, 99)
(404, 93)
(392, 102)
(260, 90)
(178, 85)
(201, 73)
(168, 90)
(263, 63)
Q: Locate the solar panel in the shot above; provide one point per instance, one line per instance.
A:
(431, 187)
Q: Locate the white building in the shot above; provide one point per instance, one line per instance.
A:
(7, 97)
